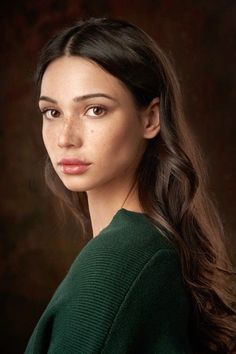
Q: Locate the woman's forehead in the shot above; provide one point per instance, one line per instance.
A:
(78, 76)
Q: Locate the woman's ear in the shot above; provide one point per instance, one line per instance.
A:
(151, 119)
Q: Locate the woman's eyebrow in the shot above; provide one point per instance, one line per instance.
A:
(79, 98)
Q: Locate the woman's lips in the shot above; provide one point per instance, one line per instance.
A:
(74, 169)
(72, 161)
(73, 166)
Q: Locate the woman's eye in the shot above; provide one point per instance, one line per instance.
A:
(50, 113)
(96, 110)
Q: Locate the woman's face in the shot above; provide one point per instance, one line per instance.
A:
(79, 122)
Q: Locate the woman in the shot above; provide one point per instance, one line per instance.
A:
(155, 276)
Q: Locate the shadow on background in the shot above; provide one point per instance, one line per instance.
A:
(37, 249)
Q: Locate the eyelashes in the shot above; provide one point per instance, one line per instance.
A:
(45, 112)
(52, 113)
(99, 108)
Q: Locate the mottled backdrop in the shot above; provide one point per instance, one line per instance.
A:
(36, 250)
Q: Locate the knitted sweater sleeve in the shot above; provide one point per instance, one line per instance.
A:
(112, 311)
(153, 317)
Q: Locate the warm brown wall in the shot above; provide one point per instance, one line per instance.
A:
(35, 251)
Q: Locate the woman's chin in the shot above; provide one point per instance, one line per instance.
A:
(75, 187)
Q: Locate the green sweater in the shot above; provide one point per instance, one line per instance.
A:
(122, 294)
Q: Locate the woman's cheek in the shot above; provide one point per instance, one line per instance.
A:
(45, 137)
(49, 138)
(112, 150)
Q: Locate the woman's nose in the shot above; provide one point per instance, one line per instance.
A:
(69, 135)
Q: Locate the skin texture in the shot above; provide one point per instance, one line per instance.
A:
(112, 138)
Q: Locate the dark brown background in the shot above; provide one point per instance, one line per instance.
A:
(36, 249)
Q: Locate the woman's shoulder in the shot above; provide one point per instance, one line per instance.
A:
(128, 249)
(122, 249)
(130, 229)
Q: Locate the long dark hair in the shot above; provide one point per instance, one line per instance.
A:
(171, 180)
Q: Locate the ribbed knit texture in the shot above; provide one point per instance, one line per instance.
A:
(123, 293)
